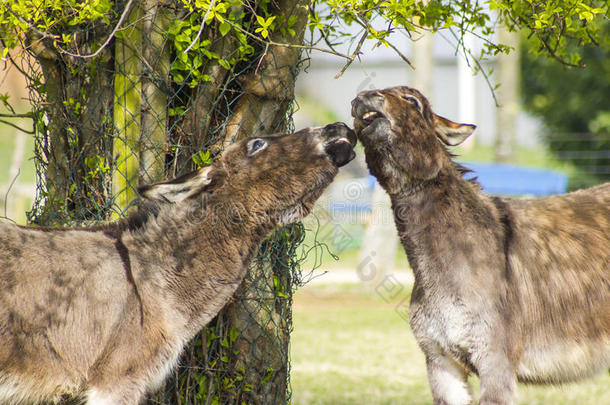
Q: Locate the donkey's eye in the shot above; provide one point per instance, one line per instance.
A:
(256, 145)
(413, 101)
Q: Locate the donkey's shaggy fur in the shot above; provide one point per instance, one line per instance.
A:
(104, 312)
(507, 289)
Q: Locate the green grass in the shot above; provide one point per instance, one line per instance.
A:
(538, 157)
(27, 172)
(351, 347)
(533, 157)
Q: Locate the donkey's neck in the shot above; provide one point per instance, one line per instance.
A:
(422, 201)
(435, 218)
(201, 260)
(211, 277)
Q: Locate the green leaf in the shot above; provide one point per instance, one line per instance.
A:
(586, 15)
(224, 28)
(177, 111)
(233, 334)
(263, 31)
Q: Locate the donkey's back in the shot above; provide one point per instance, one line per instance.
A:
(559, 260)
(60, 290)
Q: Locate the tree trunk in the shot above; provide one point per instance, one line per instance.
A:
(244, 351)
(55, 147)
(508, 96)
(72, 147)
(269, 90)
(263, 313)
(106, 129)
(198, 131)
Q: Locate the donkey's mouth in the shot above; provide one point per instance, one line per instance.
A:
(340, 142)
(367, 113)
(370, 116)
(366, 119)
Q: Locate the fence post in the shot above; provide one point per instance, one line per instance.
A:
(155, 57)
(127, 106)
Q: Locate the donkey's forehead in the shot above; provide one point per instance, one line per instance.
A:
(403, 91)
(273, 138)
(291, 140)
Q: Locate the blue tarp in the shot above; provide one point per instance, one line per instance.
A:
(497, 178)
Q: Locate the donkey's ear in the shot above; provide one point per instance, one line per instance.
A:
(451, 133)
(179, 189)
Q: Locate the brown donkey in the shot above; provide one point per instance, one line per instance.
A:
(104, 312)
(507, 289)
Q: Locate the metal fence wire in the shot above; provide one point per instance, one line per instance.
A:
(588, 153)
(164, 97)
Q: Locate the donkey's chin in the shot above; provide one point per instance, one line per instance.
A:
(293, 214)
(301, 208)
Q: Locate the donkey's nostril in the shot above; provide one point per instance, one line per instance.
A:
(339, 130)
(340, 152)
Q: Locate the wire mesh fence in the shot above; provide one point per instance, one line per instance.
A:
(587, 153)
(169, 91)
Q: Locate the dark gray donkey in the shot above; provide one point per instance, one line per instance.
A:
(507, 289)
(104, 312)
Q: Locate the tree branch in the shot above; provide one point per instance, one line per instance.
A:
(354, 55)
(364, 23)
(110, 37)
(27, 115)
(286, 45)
(467, 52)
(205, 17)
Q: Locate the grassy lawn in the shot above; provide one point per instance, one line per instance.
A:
(351, 347)
(8, 133)
(19, 204)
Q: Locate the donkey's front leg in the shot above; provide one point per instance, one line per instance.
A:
(498, 379)
(447, 381)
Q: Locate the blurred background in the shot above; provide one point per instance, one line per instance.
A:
(545, 130)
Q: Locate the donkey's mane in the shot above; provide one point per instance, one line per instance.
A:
(137, 219)
(134, 221)
(463, 170)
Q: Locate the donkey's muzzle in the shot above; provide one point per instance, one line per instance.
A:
(339, 143)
